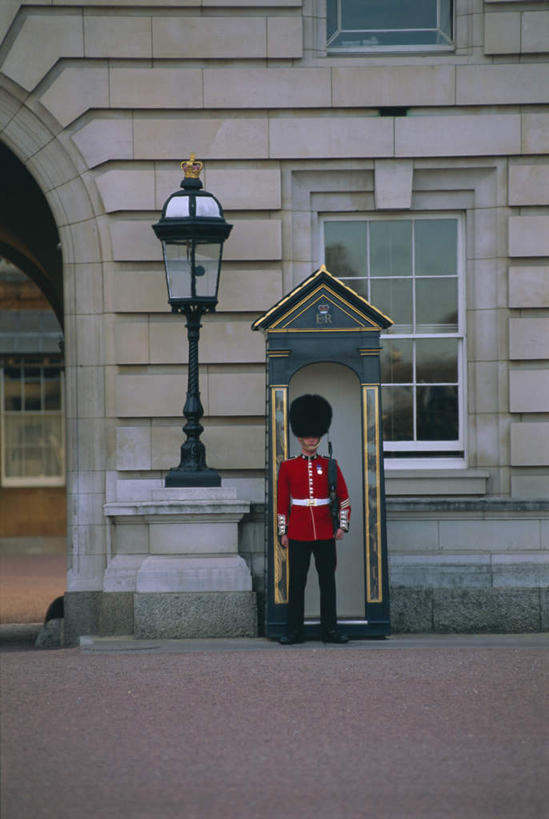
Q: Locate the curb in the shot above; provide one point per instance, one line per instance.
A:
(19, 632)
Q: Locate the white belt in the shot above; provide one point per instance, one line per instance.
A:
(310, 501)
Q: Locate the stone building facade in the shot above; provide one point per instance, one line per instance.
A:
(391, 143)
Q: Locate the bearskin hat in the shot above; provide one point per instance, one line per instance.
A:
(310, 416)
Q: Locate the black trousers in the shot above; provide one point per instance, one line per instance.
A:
(300, 552)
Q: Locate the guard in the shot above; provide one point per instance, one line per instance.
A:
(305, 524)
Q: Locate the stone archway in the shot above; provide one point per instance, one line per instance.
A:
(69, 268)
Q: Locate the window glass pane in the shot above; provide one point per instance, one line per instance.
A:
(437, 413)
(53, 445)
(436, 247)
(12, 389)
(385, 23)
(363, 14)
(396, 361)
(436, 306)
(15, 445)
(13, 462)
(360, 286)
(445, 21)
(394, 298)
(369, 14)
(370, 39)
(34, 446)
(397, 413)
(407, 38)
(31, 431)
(391, 248)
(52, 388)
(345, 244)
(32, 389)
(436, 360)
(331, 13)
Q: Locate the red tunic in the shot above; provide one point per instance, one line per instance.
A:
(305, 479)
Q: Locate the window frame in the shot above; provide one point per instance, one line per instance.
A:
(415, 454)
(332, 50)
(22, 481)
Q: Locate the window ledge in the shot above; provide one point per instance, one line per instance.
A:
(397, 51)
(485, 507)
(32, 483)
(412, 482)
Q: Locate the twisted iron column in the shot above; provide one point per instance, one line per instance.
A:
(192, 469)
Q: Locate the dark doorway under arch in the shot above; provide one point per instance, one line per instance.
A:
(32, 459)
(28, 233)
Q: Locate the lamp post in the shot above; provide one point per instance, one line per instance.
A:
(192, 230)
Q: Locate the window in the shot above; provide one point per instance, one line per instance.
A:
(378, 25)
(409, 269)
(32, 424)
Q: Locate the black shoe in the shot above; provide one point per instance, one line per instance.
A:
(334, 637)
(290, 639)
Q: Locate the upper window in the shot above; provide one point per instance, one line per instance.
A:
(386, 25)
(410, 269)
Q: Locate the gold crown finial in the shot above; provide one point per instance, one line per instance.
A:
(192, 167)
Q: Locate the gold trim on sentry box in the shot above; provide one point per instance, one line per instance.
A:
(321, 292)
(322, 269)
(310, 302)
(372, 455)
(280, 555)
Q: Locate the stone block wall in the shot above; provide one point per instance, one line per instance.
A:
(101, 102)
(469, 565)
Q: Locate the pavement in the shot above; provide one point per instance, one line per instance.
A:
(427, 726)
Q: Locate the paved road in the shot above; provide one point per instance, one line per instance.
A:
(425, 727)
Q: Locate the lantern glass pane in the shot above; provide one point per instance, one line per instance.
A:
(207, 258)
(207, 206)
(177, 260)
(177, 207)
(192, 270)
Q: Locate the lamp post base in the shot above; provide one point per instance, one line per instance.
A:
(197, 477)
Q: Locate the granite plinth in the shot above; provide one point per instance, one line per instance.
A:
(469, 610)
(116, 614)
(195, 614)
(81, 615)
(175, 570)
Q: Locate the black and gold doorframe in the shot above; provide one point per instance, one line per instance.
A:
(325, 321)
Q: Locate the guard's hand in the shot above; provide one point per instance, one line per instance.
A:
(339, 534)
(284, 541)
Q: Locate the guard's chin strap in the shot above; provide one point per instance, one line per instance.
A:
(329, 448)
